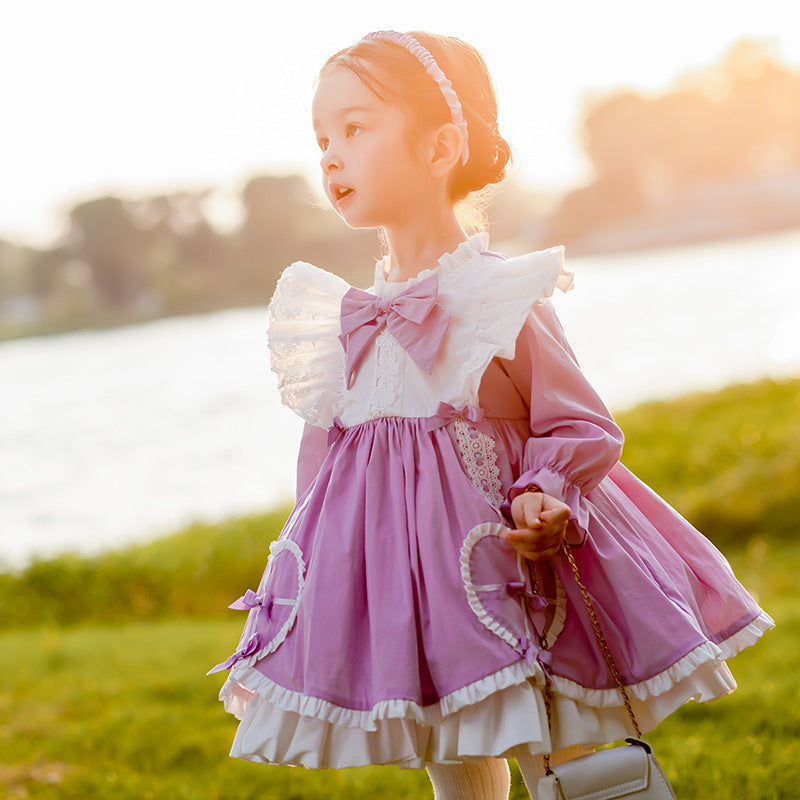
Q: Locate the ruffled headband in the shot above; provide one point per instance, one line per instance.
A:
(435, 71)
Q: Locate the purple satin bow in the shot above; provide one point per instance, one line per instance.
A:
(252, 600)
(532, 652)
(445, 413)
(251, 646)
(414, 318)
(519, 591)
(335, 431)
(246, 602)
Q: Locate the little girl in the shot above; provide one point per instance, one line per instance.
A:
(420, 591)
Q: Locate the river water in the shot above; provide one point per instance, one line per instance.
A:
(122, 435)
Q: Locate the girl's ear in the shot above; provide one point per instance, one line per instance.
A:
(444, 151)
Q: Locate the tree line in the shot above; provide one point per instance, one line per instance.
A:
(722, 140)
(726, 135)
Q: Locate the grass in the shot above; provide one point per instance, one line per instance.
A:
(196, 571)
(729, 461)
(126, 712)
(105, 696)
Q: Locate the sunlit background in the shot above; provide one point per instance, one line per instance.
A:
(157, 168)
(150, 96)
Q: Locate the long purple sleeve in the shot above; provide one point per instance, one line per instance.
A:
(574, 441)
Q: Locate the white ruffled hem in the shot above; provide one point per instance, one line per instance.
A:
(645, 691)
(501, 715)
(255, 684)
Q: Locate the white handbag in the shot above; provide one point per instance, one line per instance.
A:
(630, 771)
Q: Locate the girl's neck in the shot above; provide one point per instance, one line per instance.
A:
(420, 243)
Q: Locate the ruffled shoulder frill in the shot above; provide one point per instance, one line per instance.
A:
(502, 292)
(305, 353)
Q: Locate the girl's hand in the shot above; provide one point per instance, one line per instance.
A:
(541, 522)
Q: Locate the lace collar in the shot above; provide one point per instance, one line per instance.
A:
(448, 262)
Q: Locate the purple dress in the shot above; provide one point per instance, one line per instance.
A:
(392, 624)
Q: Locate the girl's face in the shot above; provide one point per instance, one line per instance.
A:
(369, 174)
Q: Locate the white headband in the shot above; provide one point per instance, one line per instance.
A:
(435, 71)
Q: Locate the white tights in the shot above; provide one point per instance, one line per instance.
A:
(471, 780)
(490, 779)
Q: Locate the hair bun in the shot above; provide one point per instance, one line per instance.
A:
(489, 157)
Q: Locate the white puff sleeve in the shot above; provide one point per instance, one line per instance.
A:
(505, 294)
(305, 352)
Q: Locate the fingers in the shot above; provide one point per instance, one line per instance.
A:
(535, 544)
(541, 522)
(525, 510)
(528, 510)
(556, 516)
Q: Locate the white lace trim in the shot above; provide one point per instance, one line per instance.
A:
(553, 630)
(326, 711)
(509, 719)
(664, 681)
(305, 353)
(385, 392)
(509, 723)
(446, 264)
(479, 458)
(515, 286)
(497, 628)
(244, 684)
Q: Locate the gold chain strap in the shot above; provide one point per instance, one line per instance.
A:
(548, 685)
(607, 655)
(604, 649)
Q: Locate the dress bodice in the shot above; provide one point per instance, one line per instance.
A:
(486, 296)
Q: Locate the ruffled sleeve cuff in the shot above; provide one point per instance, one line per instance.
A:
(559, 486)
(507, 294)
(305, 352)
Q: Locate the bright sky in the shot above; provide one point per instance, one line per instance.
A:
(154, 95)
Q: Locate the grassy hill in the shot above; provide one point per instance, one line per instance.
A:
(105, 696)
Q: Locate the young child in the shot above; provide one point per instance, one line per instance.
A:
(419, 592)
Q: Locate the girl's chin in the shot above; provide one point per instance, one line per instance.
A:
(361, 219)
(358, 221)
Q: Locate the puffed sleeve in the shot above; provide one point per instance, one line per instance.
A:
(303, 337)
(574, 440)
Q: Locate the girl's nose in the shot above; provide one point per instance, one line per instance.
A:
(330, 161)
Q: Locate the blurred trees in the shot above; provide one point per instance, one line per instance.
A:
(717, 154)
(124, 259)
(733, 126)
(106, 239)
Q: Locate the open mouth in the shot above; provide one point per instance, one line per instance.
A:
(340, 192)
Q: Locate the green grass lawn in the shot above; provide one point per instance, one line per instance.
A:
(127, 712)
(105, 696)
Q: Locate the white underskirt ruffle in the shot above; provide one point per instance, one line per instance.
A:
(501, 715)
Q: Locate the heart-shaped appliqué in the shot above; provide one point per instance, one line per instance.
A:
(519, 601)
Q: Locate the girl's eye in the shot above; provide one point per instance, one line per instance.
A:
(352, 129)
(323, 144)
